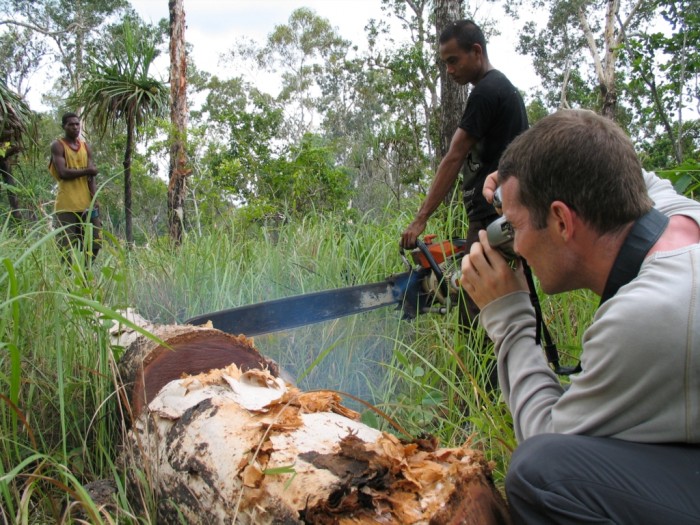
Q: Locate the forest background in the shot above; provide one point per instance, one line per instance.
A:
(229, 193)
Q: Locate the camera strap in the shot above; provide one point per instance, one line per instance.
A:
(645, 232)
(541, 331)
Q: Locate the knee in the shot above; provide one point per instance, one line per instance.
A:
(537, 462)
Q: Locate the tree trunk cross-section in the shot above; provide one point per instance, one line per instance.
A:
(234, 443)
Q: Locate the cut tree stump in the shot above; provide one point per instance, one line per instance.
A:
(221, 438)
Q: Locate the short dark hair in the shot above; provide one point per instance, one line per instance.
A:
(66, 116)
(582, 159)
(466, 32)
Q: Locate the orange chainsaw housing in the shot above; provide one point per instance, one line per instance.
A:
(440, 251)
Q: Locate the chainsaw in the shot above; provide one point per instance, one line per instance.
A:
(430, 285)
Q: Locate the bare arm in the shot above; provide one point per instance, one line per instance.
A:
(445, 177)
(59, 161)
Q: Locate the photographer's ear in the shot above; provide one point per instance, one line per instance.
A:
(561, 218)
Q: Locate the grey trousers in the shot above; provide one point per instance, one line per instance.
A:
(561, 479)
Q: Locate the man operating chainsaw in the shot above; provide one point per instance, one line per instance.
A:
(622, 444)
(494, 115)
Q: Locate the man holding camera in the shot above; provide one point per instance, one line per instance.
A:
(494, 115)
(622, 443)
(72, 167)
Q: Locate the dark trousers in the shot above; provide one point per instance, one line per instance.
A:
(564, 479)
(469, 312)
(74, 234)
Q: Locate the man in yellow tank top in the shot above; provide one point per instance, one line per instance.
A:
(72, 166)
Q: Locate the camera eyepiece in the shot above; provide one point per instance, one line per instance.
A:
(497, 201)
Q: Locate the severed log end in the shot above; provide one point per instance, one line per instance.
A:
(237, 444)
(147, 366)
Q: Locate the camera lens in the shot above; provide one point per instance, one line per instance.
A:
(500, 236)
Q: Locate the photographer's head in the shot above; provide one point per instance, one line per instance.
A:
(571, 185)
(583, 160)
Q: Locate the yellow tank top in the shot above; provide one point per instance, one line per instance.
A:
(74, 194)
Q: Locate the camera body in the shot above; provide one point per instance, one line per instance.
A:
(500, 233)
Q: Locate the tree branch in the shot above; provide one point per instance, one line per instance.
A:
(592, 47)
(624, 25)
(563, 102)
(42, 30)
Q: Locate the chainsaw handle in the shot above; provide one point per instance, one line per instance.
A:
(434, 266)
(429, 257)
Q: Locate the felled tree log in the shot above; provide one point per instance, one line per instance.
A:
(237, 444)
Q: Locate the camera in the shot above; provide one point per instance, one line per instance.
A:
(500, 233)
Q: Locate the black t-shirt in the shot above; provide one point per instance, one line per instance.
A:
(495, 115)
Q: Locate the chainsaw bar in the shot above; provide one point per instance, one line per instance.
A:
(403, 290)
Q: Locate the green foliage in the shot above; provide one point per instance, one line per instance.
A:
(645, 66)
(59, 32)
(59, 418)
(662, 88)
(59, 428)
(120, 92)
(119, 88)
(23, 53)
(15, 121)
(662, 150)
(554, 50)
(249, 168)
(306, 180)
(241, 129)
(685, 178)
(536, 109)
(298, 50)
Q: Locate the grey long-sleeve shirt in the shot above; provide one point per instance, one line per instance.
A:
(640, 357)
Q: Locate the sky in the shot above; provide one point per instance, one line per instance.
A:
(213, 26)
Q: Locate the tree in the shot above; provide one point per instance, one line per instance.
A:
(306, 180)
(15, 121)
(664, 82)
(71, 27)
(21, 54)
(453, 97)
(300, 50)
(250, 165)
(244, 134)
(579, 28)
(179, 171)
(120, 92)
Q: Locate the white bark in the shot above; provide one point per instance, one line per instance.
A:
(227, 446)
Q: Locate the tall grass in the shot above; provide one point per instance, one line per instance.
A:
(58, 412)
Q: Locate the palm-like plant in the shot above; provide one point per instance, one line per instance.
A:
(119, 91)
(15, 122)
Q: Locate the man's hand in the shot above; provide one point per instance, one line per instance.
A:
(410, 236)
(490, 185)
(486, 275)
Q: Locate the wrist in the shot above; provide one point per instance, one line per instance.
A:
(421, 217)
